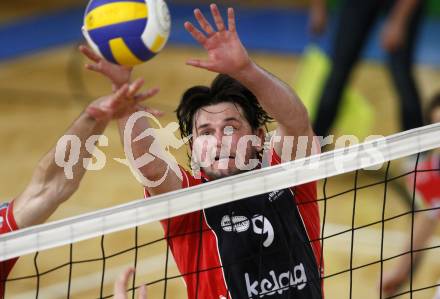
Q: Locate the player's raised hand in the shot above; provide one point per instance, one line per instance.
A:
(122, 102)
(118, 74)
(121, 285)
(226, 53)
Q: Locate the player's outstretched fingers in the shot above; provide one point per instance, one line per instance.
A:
(134, 87)
(140, 97)
(93, 67)
(204, 24)
(217, 17)
(196, 33)
(142, 292)
(121, 284)
(89, 53)
(231, 20)
(153, 111)
(204, 64)
(119, 96)
(97, 114)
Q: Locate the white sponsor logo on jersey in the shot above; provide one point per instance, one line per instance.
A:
(274, 195)
(236, 224)
(274, 283)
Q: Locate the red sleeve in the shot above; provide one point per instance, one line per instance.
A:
(7, 224)
(182, 223)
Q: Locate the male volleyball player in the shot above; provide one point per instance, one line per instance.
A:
(262, 246)
(49, 186)
(427, 188)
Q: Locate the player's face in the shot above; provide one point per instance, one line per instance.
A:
(222, 140)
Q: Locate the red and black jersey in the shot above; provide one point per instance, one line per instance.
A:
(7, 224)
(427, 184)
(262, 246)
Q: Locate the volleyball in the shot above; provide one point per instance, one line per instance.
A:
(126, 32)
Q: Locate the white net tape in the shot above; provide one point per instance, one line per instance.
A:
(218, 192)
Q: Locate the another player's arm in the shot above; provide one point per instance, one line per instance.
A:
(396, 26)
(227, 55)
(424, 227)
(49, 186)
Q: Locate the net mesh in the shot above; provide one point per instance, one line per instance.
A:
(364, 228)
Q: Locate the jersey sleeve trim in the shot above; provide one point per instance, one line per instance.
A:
(10, 220)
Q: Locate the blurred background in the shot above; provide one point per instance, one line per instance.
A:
(44, 87)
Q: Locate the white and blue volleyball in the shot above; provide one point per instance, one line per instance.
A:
(126, 32)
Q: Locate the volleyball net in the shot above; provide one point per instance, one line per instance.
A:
(364, 228)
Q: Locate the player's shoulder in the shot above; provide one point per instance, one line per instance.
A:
(187, 180)
(191, 178)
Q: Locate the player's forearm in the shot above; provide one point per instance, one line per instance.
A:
(277, 99)
(49, 185)
(402, 11)
(49, 171)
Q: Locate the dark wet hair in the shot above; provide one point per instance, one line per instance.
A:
(433, 104)
(223, 89)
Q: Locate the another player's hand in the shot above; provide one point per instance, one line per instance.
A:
(121, 286)
(226, 53)
(393, 35)
(392, 281)
(122, 102)
(118, 74)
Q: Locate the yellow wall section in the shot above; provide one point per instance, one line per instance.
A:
(122, 53)
(114, 13)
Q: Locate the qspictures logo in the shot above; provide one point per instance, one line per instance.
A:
(205, 151)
